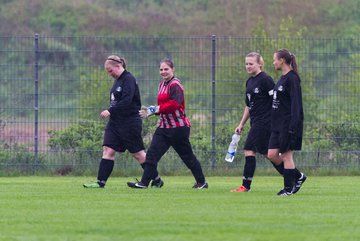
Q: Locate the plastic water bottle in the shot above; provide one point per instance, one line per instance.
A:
(232, 148)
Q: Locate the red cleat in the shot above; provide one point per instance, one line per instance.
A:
(241, 189)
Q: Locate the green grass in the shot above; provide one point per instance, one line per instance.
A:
(59, 208)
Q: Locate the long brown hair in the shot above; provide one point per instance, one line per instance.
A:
(289, 58)
(168, 62)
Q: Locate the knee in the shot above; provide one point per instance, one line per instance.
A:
(249, 153)
(108, 153)
(287, 157)
(273, 156)
(139, 156)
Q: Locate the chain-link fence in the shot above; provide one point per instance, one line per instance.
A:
(53, 89)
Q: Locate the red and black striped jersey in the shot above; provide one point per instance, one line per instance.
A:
(171, 104)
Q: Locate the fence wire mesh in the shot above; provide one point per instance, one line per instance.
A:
(53, 89)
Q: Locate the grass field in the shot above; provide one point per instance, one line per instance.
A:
(59, 208)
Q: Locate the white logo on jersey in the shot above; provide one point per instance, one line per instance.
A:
(118, 89)
(256, 90)
(280, 88)
(275, 103)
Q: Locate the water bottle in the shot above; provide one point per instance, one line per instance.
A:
(232, 148)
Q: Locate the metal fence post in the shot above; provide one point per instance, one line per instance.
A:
(36, 101)
(213, 68)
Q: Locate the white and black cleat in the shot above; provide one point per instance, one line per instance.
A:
(201, 185)
(283, 192)
(138, 185)
(298, 183)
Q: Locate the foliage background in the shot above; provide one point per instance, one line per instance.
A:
(73, 86)
(322, 18)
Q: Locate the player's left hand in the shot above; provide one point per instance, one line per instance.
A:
(145, 112)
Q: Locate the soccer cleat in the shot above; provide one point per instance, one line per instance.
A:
(241, 189)
(298, 183)
(92, 185)
(138, 185)
(283, 192)
(201, 185)
(157, 183)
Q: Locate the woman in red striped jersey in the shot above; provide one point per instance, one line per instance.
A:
(173, 130)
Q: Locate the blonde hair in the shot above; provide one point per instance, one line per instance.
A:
(259, 58)
(115, 60)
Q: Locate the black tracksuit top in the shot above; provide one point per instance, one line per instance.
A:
(287, 110)
(259, 91)
(125, 100)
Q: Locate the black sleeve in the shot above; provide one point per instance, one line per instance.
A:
(247, 101)
(269, 84)
(296, 105)
(128, 91)
(176, 94)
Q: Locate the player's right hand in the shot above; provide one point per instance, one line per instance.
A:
(239, 129)
(143, 112)
(105, 114)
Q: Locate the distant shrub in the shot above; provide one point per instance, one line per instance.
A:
(19, 159)
(84, 136)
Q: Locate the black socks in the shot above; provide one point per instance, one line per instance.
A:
(105, 168)
(297, 173)
(279, 168)
(249, 170)
(289, 179)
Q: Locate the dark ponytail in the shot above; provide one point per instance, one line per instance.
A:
(289, 58)
(293, 63)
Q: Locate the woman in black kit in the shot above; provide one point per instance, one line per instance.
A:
(287, 120)
(259, 91)
(123, 130)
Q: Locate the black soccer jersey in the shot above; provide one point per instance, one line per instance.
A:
(125, 100)
(287, 110)
(259, 91)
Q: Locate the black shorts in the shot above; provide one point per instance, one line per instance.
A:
(124, 138)
(284, 141)
(258, 140)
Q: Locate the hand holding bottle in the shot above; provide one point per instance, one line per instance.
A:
(232, 148)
